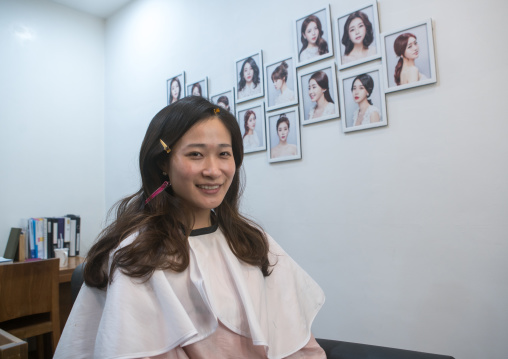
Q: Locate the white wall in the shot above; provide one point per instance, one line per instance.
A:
(51, 115)
(405, 226)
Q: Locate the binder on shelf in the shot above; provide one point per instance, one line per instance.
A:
(75, 234)
(22, 246)
(11, 250)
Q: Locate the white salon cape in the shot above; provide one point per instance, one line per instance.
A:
(136, 319)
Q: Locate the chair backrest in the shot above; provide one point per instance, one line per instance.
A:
(29, 288)
(77, 281)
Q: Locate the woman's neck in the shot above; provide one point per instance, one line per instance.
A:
(310, 45)
(250, 132)
(283, 87)
(363, 106)
(322, 102)
(408, 62)
(202, 219)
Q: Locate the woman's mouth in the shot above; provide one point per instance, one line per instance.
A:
(209, 188)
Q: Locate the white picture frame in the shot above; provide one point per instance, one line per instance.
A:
(305, 55)
(225, 99)
(350, 106)
(425, 62)
(180, 79)
(287, 93)
(324, 73)
(364, 22)
(292, 149)
(198, 88)
(256, 141)
(249, 89)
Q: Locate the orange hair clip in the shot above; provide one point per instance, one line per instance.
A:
(166, 148)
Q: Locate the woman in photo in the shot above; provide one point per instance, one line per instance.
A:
(407, 49)
(358, 37)
(250, 137)
(279, 78)
(313, 43)
(283, 148)
(175, 90)
(223, 102)
(319, 92)
(249, 79)
(180, 273)
(196, 90)
(361, 89)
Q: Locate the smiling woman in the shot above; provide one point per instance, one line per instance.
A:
(182, 263)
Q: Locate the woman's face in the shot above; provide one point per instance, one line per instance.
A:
(315, 91)
(311, 33)
(251, 122)
(278, 84)
(175, 90)
(248, 72)
(202, 166)
(359, 92)
(195, 91)
(412, 49)
(357, 31)
(283, 131)
(223, 105)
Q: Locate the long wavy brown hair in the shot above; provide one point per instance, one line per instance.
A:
(164, 224)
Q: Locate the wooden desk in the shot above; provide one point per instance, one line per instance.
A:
(65, 288)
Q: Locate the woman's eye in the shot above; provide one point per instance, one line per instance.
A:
(226, 154)
(194, 154)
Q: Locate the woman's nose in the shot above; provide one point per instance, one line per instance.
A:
(212, 168)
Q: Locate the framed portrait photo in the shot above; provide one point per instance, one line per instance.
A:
(176, 87)
(319, 100)
(363, 99)
(408, 57)
(252, 126)
(281, 84)
(198, 88)
(313, 37)
(358, 36)
(225, 99)
(249, 77)
(284, 135)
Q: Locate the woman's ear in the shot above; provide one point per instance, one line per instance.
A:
(163, 165)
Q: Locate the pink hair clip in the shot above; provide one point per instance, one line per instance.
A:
(157, 191)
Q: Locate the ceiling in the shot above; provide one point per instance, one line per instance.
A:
(100, 8)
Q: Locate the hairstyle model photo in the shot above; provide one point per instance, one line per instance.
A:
(225, 100)
(281, 84)
(313, 37)
(318, 93)
(199, 88)
(176, 87)
(252, 125)
(409, 57)
(363, 99)
(358, 36)
(249, 77)
(284, 135)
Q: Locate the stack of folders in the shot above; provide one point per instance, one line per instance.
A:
(43, 235)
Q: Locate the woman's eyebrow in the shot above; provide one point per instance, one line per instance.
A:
(203, 145)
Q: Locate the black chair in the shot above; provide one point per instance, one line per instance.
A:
(334, 349)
